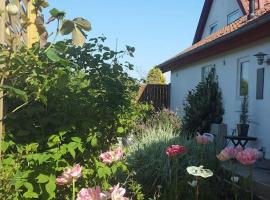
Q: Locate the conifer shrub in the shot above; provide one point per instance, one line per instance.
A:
(155, 76)
(203, 106)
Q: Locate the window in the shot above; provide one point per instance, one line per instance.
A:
(213, 28)
(260, 83)
(243, 79)
(206, 70)
(232, 17)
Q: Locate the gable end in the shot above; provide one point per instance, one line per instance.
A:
(204, 16)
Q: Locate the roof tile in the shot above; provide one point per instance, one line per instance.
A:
(233, 26)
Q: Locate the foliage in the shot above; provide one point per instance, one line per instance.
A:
(203, 106)
(65, 104)
(243, 87)
(155, 76)
(244, 110)
(154, 119)
(146, 156)
(27, 173)
(165, 117)
(54, 88)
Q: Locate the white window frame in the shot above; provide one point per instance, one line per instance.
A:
(215, 25)
(203, 70)
(239, 65)
(235, 16)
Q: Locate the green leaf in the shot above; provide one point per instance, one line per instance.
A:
(52, 55)
(20, 94)
(29, 186)
(120, 130)
(44, 4)
(76, 139)
(104, 172)
(31, 147)
(67, 27)
(94, 142)
(114, 169)
(130, 50)
(71, 151)
(83, 23)
(53, 140)
(5, 145)
(30, 195)
(50, 187)
(8, 161)
(40, 4)
(57, 13)
(60, 46)
(42, 178)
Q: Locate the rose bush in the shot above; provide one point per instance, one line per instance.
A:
(66, 104)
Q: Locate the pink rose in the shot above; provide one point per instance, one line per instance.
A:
(117, 193)
(91, 194)
(238, 149)
(112, 156)
(61, 180)
(118, 153)
(175, 149)
(107, 157)
(69, 175)
(203, 139)
(223, 156)
(249, 156)
(76, 171)
(229, 153)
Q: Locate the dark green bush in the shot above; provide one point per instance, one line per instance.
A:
(85, 91)
(203, 106)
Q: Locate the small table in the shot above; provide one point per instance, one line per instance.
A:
(240, 140)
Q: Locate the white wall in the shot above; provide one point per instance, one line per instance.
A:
(185, 79)
(218, 13)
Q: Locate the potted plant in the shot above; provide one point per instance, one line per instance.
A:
(243, 126)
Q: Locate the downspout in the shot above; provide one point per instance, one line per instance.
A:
(251, 9)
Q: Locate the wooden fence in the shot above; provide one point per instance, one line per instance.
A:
(157, 95)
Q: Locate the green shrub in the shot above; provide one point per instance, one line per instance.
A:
(27, 173)
(65, 105)
(155, 119)
(155, 76)
(203, 106)
(85, 91)
(163, 118)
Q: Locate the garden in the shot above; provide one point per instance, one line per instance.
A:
(74, 130)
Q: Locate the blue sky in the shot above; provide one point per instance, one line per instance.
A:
(158, 29)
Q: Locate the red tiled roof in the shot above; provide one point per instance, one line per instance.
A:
(231, 27)
(258, 4)
(262, 7)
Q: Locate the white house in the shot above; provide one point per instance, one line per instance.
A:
(229, 34)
